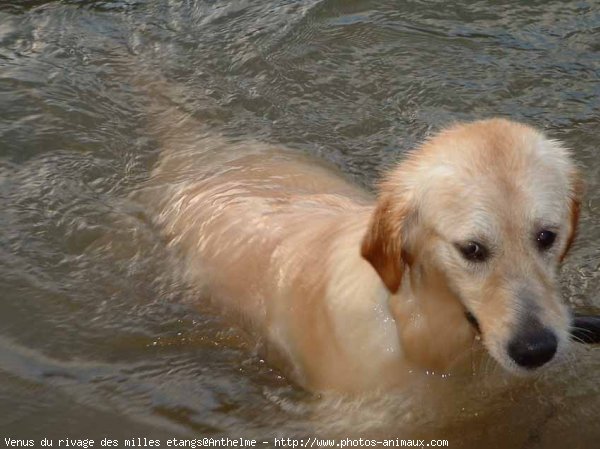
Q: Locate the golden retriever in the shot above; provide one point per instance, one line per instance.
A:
(351, 293)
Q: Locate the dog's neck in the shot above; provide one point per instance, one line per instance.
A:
(424, 321)
(431, 323)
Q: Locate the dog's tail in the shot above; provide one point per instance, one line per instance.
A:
(188, 150)
(169, 118)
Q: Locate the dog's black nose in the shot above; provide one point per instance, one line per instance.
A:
(531, 349)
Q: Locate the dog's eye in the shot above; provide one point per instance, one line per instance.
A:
(473, 251)
(545, 239)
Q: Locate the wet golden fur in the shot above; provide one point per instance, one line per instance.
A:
(352, 293)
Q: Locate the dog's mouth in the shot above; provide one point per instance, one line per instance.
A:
(584, 328)
(473, 321)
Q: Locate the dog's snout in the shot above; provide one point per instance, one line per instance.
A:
(533, 347)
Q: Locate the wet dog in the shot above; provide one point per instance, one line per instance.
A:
(352, 293)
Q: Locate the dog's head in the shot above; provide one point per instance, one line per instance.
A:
(491, 206)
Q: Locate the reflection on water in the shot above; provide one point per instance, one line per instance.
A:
(97, 334)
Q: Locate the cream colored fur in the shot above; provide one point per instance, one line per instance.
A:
(352, 293)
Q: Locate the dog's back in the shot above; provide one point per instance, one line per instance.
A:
(258, 227)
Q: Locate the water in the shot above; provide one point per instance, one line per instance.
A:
(98, 336)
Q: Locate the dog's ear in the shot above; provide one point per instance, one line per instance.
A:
(575, 196)
(382, 244)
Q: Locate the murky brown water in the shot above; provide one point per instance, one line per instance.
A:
(97, 337)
